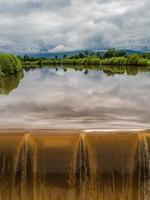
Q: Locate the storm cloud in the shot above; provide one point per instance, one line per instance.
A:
(67, 25)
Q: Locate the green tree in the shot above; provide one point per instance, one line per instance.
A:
(120, 53)
(99, 54)
(26, 58)
(10, 64)
(82, 55)
(114, 53)
(146, 55)
(86, 53)
(110, 53)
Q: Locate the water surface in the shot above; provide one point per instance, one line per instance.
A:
(87, 99)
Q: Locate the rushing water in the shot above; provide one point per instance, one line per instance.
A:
(50, 165)
(60, 98)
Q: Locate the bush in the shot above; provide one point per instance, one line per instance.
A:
(143, 62)
(10, 64)
(114, 53)
(133, 59)
(146, 55)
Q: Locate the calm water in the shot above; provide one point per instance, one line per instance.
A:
(93, 99)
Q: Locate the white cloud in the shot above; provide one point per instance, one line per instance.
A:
(60, 48)
(41, 25)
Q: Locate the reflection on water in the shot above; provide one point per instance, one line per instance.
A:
(74, 166)
(75, 98)
(8, 84)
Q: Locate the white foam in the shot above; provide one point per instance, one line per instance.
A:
(112, 130)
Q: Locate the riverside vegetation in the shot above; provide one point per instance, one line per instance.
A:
(12, 67)
(11, 72)
(111, 61)
(9, 65)
(110, 57)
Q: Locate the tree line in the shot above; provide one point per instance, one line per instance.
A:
(109, 57)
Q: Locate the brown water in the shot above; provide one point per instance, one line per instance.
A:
(74, 165)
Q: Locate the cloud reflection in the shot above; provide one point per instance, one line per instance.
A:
(47, 98)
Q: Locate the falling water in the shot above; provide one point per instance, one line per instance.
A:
(82, 163)
(144, 166)
(75, 166)
(24, 180)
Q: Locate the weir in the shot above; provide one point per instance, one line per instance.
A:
(72, 165)
(24, 180)
(82, 163)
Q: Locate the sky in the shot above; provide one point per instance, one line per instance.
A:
(68, 25)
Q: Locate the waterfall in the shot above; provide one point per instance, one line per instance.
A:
(91, 166)
(24, 180)
(144, 166)
(82, 163)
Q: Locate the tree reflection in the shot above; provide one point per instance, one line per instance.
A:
(65, 69)
(86, 72)
(129, 70)
(9, 83)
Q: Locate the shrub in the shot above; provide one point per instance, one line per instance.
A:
(133, 59)
(146, 55)
(10, 64)
(114, 53)
(143, 62)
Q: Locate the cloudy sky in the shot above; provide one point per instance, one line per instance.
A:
(66, 25)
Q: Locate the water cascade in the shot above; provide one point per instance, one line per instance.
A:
(74, 166)
(24, 180)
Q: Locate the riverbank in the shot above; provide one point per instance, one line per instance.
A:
(132, 64)
(131, 60)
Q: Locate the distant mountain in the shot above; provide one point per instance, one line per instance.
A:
(129, 51)
(53, 55)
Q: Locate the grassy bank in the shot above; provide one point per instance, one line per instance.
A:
(9, 64)
(131, 60)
